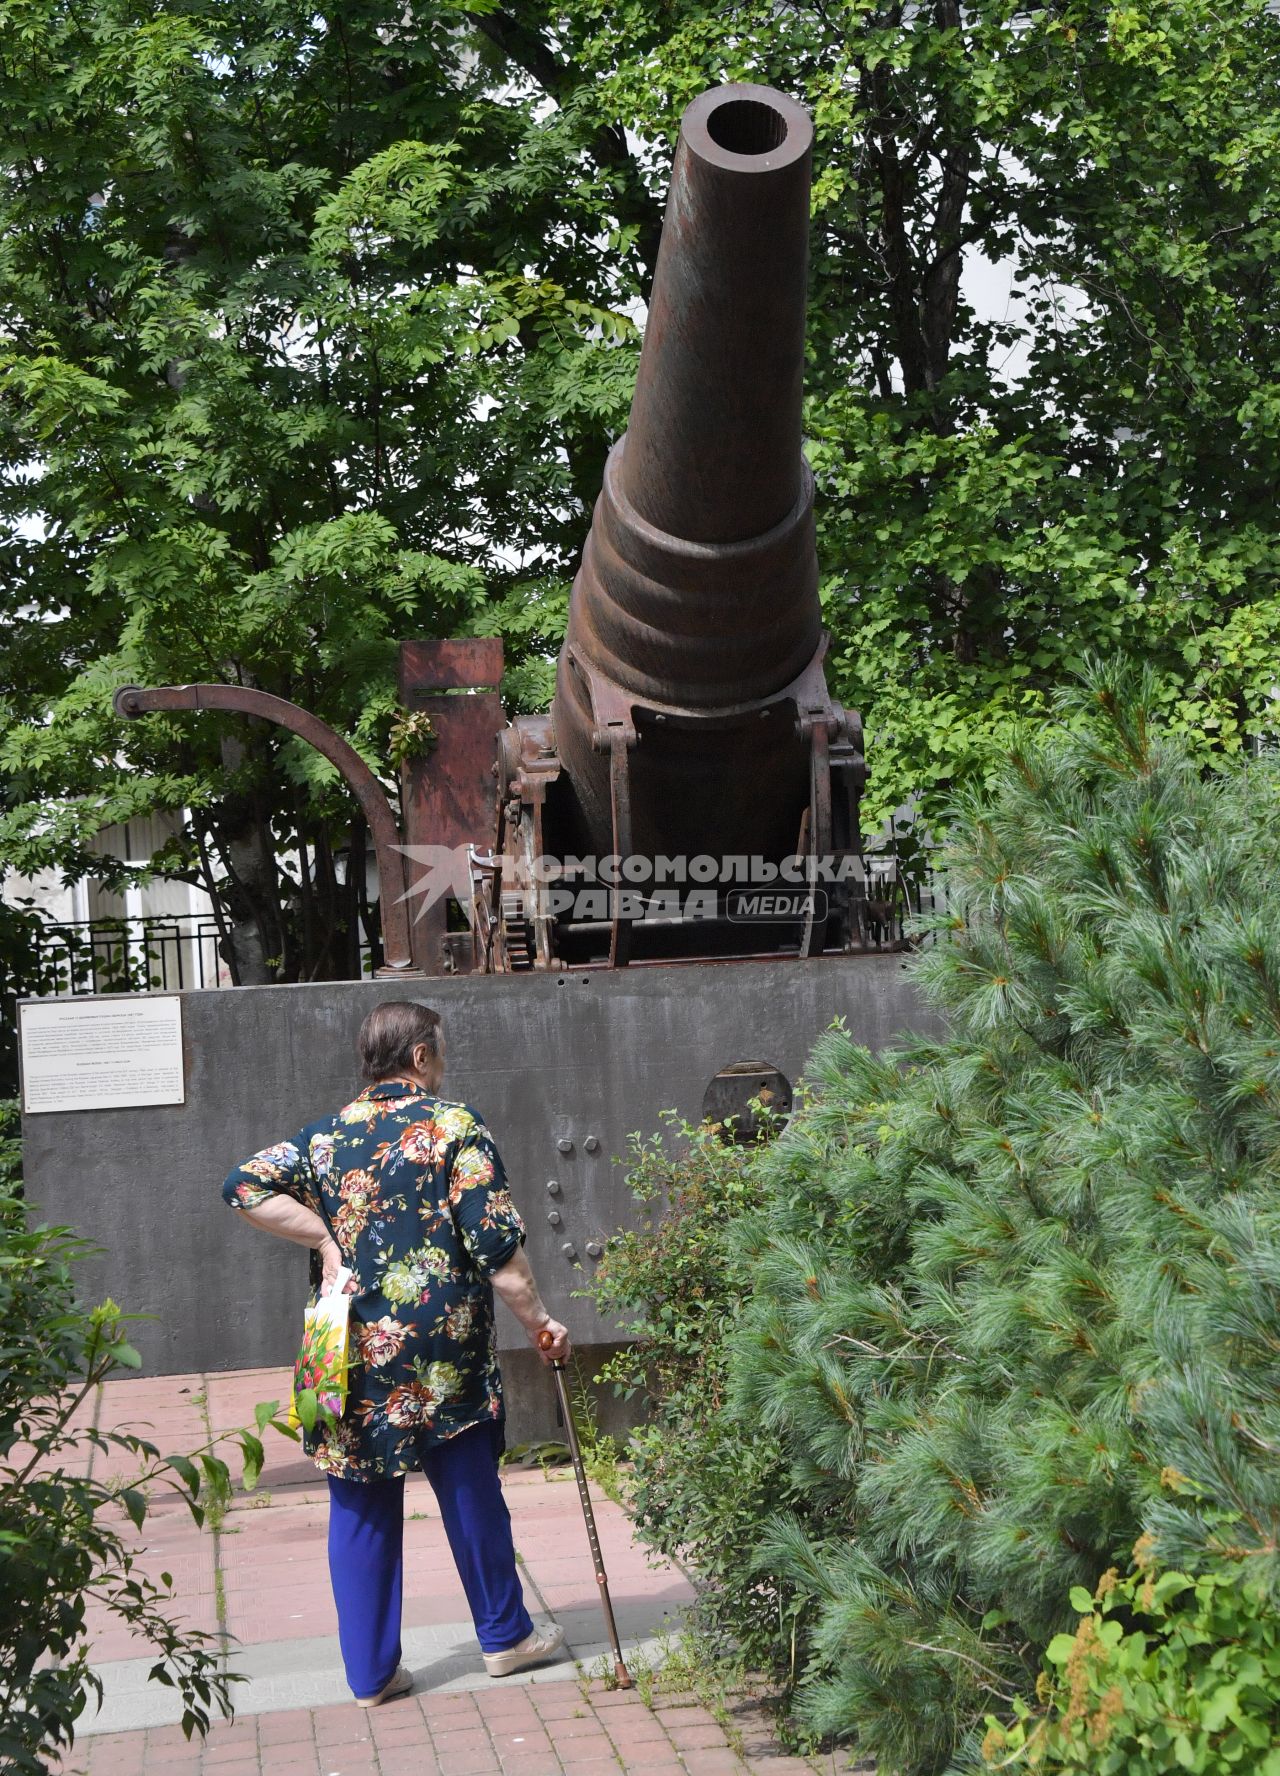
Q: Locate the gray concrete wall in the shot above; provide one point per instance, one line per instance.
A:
(547, 1060)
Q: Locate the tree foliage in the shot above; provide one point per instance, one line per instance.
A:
(266, 277)
(1012, 1285)
(316, 328)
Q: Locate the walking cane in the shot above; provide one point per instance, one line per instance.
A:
(620, 1672)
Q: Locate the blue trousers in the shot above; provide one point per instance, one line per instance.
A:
(366, 1555)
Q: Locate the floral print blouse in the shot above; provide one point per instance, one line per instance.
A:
(413, 1191)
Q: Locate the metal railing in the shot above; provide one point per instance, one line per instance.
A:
(157, 952)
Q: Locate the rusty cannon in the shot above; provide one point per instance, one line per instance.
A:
(691, 716)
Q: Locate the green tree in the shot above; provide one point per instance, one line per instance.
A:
(267, 277)
(1003, 487)
(317, 329)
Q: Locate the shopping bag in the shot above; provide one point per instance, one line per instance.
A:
(320, 1373)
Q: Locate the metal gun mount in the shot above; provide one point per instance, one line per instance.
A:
(691, 715)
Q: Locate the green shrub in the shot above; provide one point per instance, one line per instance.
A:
(998, 1282)
(699, 1491)
(62, 1534)
(1165, 1672)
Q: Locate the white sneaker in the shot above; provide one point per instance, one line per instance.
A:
(398, 1684)
(542, 1644)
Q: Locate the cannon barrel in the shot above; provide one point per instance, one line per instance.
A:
(696, 602)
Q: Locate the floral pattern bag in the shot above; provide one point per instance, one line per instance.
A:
(320, 1372)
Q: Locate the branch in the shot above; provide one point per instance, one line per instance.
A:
(608, 146)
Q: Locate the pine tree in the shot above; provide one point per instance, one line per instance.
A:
(1016, 1293)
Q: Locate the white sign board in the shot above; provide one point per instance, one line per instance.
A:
(101, 1054)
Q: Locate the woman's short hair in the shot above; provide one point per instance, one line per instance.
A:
(391, 1032)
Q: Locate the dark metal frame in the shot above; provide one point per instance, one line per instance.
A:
(133, 701)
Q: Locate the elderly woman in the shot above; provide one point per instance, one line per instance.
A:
(408, 1191)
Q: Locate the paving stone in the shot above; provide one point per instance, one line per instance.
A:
(687, 1715)
(181, 1757)
(117, 1760)
(575, 1726)
(561, 1706)
(465, 1754)
(697, 1736)
(644, 1755)
(334, 1714)
(585, 1746)
(285, 1725)
(512, 1720)
(636, 1729)
(411, 1730)
(527, 1742)
(447, 1711)
(219, 1751)
(668, 1767)
(406, 1763)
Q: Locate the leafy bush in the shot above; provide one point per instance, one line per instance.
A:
(62, 1533)
(698, 1491)
(1002, 1280)
(1164, 1672)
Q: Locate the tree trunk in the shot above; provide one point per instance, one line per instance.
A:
(251, 891)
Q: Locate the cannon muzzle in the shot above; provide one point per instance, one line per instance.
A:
(698, 585)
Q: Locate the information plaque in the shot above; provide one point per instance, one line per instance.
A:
(101, 1054)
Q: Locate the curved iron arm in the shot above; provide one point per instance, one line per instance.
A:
(132, 700)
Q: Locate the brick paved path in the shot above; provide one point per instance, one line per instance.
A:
(548, 1729)
(258, 1579)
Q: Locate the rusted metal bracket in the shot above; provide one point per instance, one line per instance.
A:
(819, 835)
(613, 732)
(447, 794)
(132, 701)
(620, 808)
